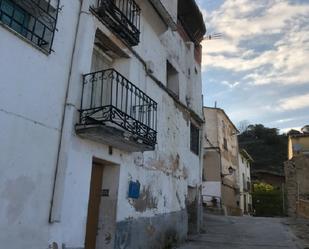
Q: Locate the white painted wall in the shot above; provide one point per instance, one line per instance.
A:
(244, 169)
(211, 189)
(32, 91)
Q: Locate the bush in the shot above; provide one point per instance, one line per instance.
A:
(266, 200)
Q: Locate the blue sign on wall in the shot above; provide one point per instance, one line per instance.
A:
(134, 189)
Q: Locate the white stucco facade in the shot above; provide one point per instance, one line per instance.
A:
(244, 181)
(46, 167)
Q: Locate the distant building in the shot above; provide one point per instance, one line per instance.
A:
(297, 185)
(297, 173)
(220, 166)
(244, 181)
(298, 144)
(276, 179)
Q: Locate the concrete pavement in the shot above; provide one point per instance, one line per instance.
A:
(222, 232)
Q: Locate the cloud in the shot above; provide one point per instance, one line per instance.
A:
(284, 28)
(287, 129)
(285, 120)
(230, 84)
(294, 103)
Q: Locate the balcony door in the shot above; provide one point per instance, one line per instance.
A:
(100, 88)
(100, 61)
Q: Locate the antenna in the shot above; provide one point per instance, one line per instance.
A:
(214, 36)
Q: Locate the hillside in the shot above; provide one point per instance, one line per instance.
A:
(266, 146)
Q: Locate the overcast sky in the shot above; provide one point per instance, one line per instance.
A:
(258, 71)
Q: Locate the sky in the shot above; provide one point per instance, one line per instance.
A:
(259, 70)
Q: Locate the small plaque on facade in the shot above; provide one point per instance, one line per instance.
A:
(105, 192)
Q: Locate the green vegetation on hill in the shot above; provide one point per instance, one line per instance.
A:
(267, 148)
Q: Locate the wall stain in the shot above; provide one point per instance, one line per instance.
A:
(151, 230)
(175, 163)
(169, 165)
(164, 201)
(17, 192)
(178, 198)
(185, 114)
(145, 201)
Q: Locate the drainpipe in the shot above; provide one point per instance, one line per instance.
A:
(58, 187)
(200, 188)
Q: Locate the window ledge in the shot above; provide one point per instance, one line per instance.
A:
(23, 38)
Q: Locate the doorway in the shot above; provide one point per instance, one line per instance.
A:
(245, 204)
(102, 206)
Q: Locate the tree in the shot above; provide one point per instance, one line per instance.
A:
(266, 146)
(243, 125)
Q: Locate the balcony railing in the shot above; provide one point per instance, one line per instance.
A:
(122, 17)
(109, 99)
(33, 19)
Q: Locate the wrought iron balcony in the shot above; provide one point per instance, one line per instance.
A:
(33, 19)
(116, 112)
(122, 17)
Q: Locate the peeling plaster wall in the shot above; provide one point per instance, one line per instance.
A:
(210, 131)
(244, 169)
(189, 71)
(31, 108)
(163, 174)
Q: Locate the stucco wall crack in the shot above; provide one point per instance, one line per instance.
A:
(29, 120)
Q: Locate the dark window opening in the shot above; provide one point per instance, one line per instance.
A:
(172, 79)
(34, 20)
(225, 143)
(194, 139)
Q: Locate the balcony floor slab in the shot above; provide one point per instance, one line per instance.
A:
(113, 137)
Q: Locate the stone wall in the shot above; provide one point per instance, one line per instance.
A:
(303, 208)
(297, 182)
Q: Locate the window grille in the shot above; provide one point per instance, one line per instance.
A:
(194, 139)
(33, 19)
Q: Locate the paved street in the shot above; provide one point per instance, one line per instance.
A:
(243, 233)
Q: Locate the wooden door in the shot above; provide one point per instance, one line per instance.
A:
(93, 206)
(245, 204)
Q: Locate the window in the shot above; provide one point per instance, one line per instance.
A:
(223, 128)
(249, 186)
(225, 143)
(172, 79)
(194, 139)
(16, 17)
(34, 20)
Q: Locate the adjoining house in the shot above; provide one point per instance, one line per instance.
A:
(298, 143)
(244, 181)
(272, 177)
(101, 117)
(297, 174)
(220, 153)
